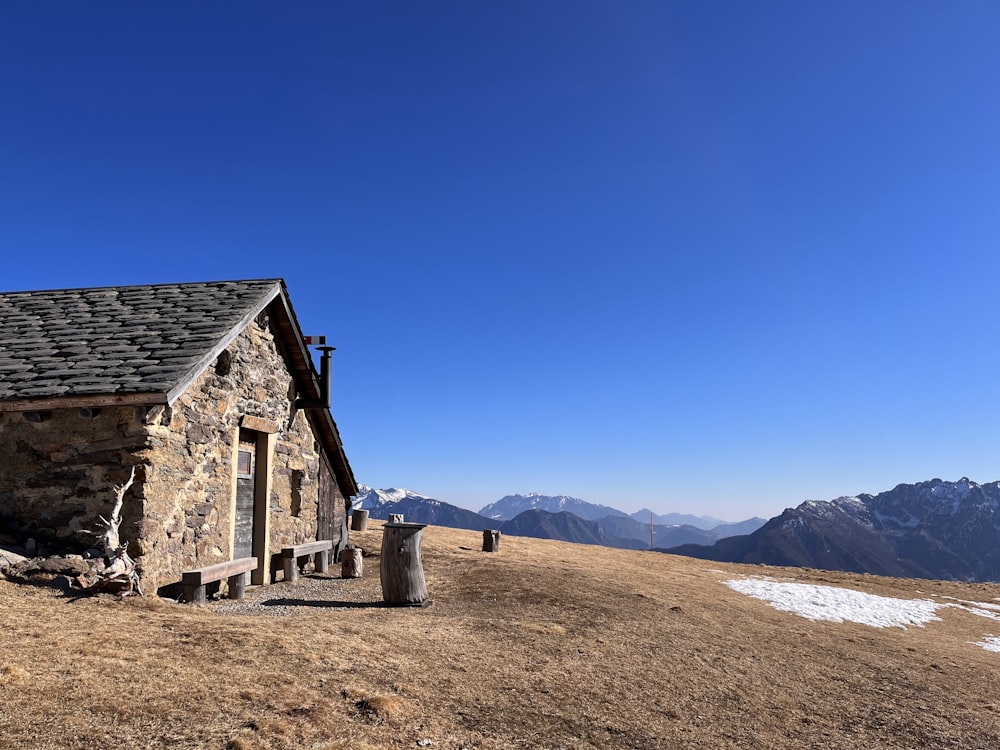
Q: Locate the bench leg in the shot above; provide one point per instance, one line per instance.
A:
(238, 586)
(320, 561)
(194, 594)
(291, 566)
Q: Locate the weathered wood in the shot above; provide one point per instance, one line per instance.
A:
(359, 520)
(290, 557)
(400, 567)
(119, 574)
(321, 560)
(395, 518)
(352, 563)
(491, 540)
(238, 586)
(41, 404)
(194, 581)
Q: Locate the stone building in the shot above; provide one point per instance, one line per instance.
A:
(208, 389)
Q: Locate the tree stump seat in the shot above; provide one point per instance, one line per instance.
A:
(236, 571)
(491, 540)
(351, 563)
(290, 556)
(400, 567)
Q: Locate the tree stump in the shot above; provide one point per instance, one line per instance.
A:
(359, 520)
(491, 540)
(395, 518)
(400, 567)
(351, 563)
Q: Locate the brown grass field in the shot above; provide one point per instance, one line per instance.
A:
(544, 645)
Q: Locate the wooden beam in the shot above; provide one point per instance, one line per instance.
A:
(83, 402)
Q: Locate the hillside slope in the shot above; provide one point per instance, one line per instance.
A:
(933, 529)
(544, 644)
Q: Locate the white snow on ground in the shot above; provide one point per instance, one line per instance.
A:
(983, 609)
(989, 642)
(837, 605)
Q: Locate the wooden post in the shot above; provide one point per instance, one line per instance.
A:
(395, 518)
(351, 563)
(491, 540)
(291, 566)
(238, 586)
(321, 560)
(359, 520)
(400, 567)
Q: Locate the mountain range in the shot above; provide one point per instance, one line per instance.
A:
(558, 517)
(933, 529)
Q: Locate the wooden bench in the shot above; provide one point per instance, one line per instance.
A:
(235, 570)
(321, 557)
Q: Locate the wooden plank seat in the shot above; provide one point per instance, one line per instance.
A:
(319, 550)
(235, 570)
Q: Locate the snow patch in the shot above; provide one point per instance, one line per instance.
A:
(838, 605)
(989, 642)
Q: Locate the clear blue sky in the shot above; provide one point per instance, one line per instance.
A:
(713, 257)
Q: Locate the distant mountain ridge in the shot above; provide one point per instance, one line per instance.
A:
(933, 529)
(510, 506)
(616, 529)
(676, 519)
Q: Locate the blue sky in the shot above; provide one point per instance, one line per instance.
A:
(697, 256)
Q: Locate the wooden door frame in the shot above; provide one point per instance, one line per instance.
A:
(264, 460)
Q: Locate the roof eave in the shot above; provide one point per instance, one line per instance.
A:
(84, 402)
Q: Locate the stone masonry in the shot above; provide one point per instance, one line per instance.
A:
(63, 464)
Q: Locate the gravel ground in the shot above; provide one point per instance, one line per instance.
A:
(310, 591)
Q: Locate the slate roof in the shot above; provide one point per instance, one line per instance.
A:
(144, 345)
(119, 340)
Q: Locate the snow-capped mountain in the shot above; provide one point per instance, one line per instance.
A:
(611, 528)
(933, 529)
(416, 508)
(511, 506)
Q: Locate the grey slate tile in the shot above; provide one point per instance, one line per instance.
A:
(115, 339)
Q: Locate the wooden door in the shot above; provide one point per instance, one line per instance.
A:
(246, 468)
(330, 510)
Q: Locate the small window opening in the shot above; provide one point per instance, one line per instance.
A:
(297, 477)
(224, 363)
(244, 463)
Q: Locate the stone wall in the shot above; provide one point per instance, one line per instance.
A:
(190, 482)
(59, 469)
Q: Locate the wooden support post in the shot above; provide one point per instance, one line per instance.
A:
(491, 540)
(291, 566)
(395, 518)
(194, 594)
(359, 520)
(400, 567)
(351, 563)
(238, 586)
(321, 560)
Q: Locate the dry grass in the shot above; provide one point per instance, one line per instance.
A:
(544, 645)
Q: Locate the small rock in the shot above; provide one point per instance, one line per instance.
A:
(423, 743)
